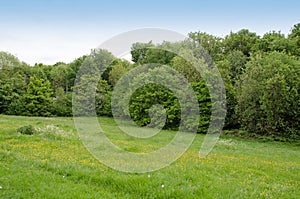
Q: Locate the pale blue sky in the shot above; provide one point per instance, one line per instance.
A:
(48, 31)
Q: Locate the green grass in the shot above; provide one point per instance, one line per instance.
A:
(56, 165)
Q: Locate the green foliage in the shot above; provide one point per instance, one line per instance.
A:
(212, 44)
(274, 41)
(237, 61)
(268, 95)
(13, 86)
(75, 67)
(39, 97)
(143, 53)
(151, 94)
(103, 99)
(186, 69)
(102, 59)
(8, 60)
(158, 55)
(139, 51)
(84, 95)
(26, 130)
(260, 74)
(204, 101)
(295, 32)
(294, 36)
(144, 98)
(61, 76)
(244, 41)
(118, 69)
(62, 103)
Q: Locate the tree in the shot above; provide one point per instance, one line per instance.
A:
(143, 53)
(186, 69)
(39, 98)
(8, 60)
(237, 64)
(103, 99)
(231, 71)
(212, 44)
(151, 94)
(139, 51)
(118, 69)
(84, 95)
(268, 95)
(75, 67)
(62, 103)
(244, 40)
(294, 36)
(13, 85)
(204, 100)
(102, 58)
(274, 41)
(295, 32)
(6, 96)
(61, 77)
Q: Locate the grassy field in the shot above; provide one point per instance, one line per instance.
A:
(54, 164)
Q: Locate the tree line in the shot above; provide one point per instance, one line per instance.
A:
(261, 76)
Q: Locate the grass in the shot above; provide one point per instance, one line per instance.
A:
(54, 164)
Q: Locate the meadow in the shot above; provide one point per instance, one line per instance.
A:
(53, 163)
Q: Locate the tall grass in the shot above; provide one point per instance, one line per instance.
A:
(54, 164)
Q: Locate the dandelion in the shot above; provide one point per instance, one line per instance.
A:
(0, 187)
(149, 176)
(162, 186)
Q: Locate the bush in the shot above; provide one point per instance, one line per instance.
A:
(26, 130)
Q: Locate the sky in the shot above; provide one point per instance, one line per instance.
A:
(49, 31)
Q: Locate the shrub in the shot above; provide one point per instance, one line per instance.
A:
(26, 130)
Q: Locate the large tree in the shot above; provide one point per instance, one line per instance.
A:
(39, 97)
(211, 43)
(274, 41)
(61, 77)
(294, 36)
(8, 60)
(268, 95)
(243, 40)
